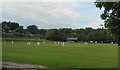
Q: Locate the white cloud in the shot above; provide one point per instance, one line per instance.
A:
(54, 13)
(0, 10)
(96, 24)
(48, 1)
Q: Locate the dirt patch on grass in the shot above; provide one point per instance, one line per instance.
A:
(8, 64)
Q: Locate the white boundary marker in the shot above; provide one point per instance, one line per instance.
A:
(43, 42)
(58, 42)
(96, 42)
(86, 43)
(63, 44)
(12, 42)
(4, 41)
(111, 42)
(28, 43)
(38, 43)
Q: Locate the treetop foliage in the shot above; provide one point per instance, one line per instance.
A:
(32, 31)
(111, 15)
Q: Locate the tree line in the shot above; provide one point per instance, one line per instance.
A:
(13, 30)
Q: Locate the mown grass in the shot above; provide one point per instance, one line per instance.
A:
(72, 55)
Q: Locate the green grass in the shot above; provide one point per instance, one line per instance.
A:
(72, 55)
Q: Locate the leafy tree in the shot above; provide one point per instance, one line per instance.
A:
(42, 31)
(19, 30)
(66, 31)
(7, 29)
(111, 15)
(33, 29)
(11, 25)
(4, 24)
(54, 35)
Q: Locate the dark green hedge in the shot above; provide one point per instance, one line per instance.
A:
(20, 39)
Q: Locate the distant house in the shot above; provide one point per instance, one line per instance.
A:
(72, 39)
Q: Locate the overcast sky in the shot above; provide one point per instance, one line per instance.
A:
(52, 14)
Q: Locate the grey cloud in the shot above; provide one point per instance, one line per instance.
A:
(44, 13)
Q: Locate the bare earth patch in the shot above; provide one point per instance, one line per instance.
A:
(8, 64)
